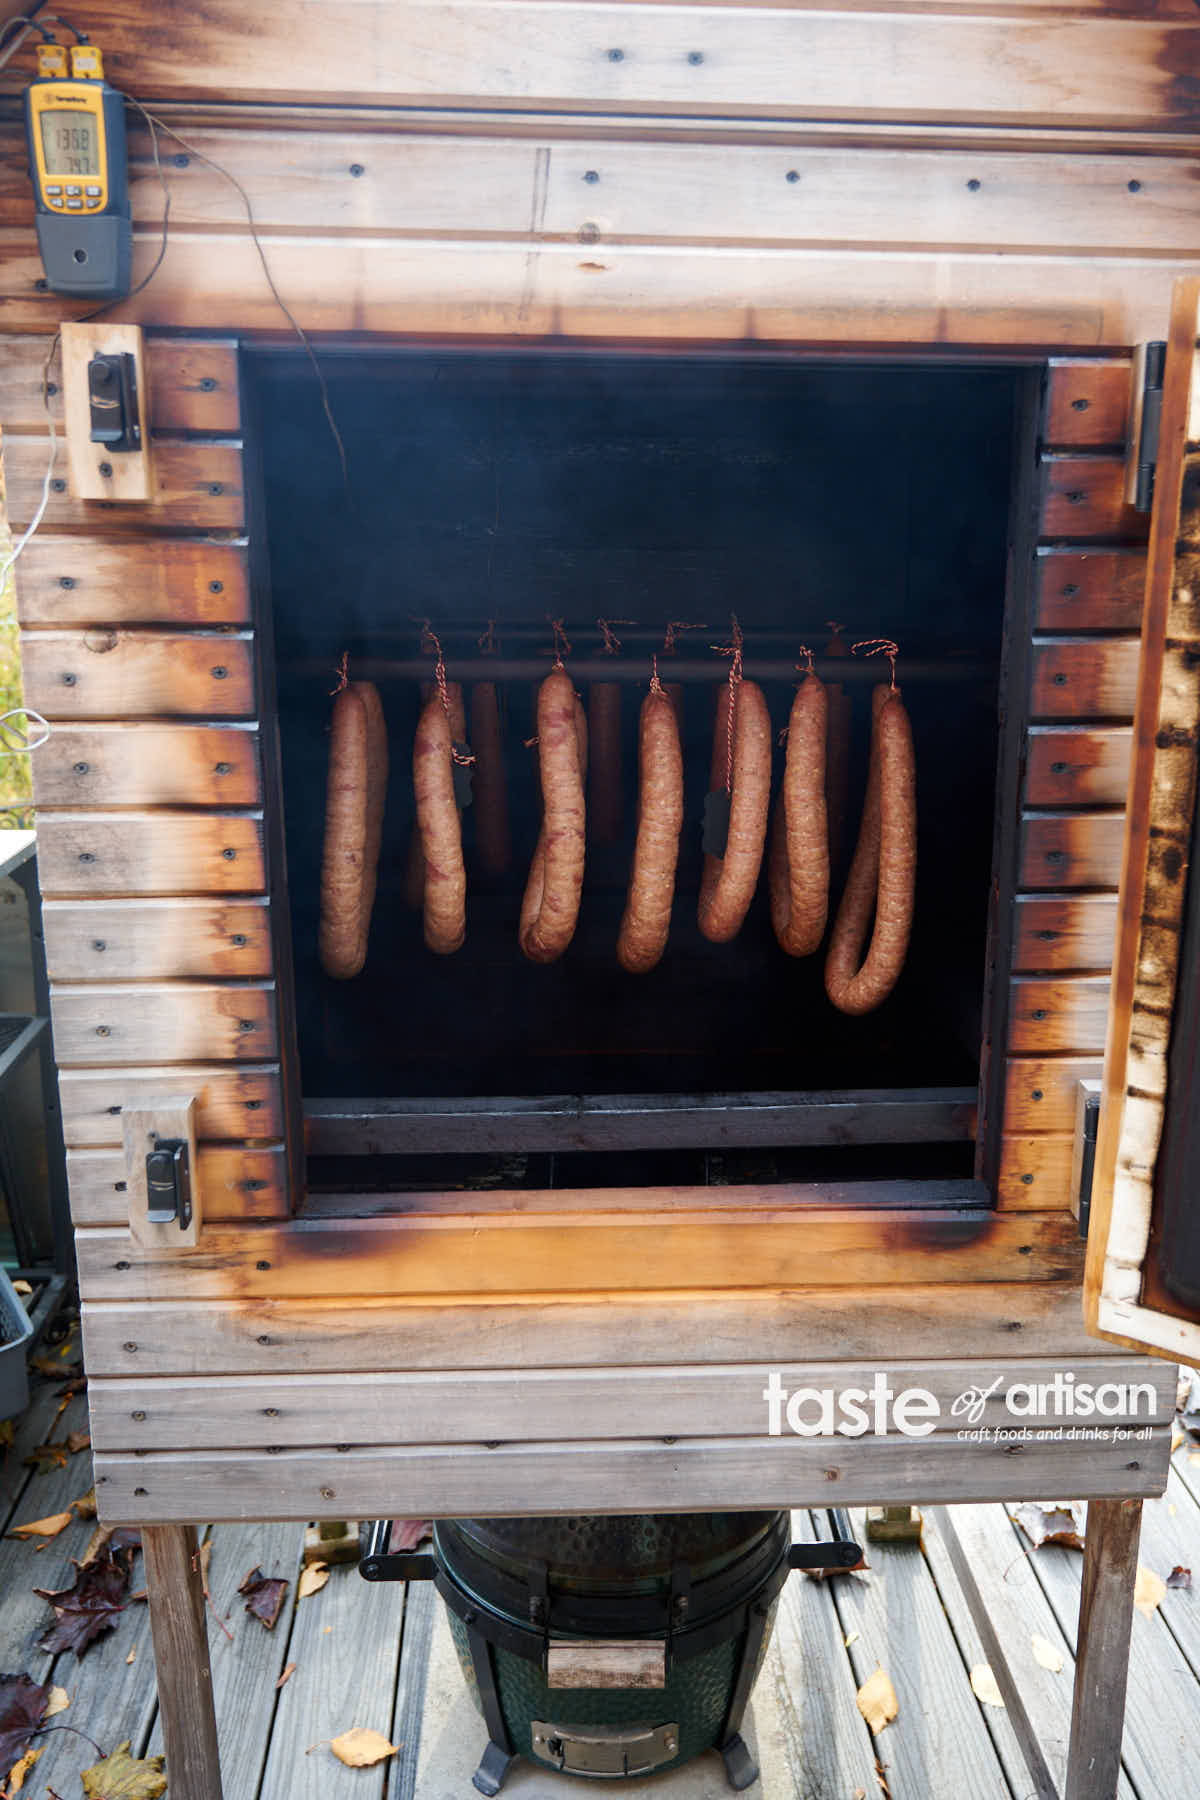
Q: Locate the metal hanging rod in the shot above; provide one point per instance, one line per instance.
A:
(636, 671)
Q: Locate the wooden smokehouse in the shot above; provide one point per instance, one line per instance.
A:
(473, 317)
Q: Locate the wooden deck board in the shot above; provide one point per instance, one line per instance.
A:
(1158, 1753)
(938, 1743)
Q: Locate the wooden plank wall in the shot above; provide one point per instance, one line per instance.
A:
(747, 171)
(137, 645)
(1090, 576)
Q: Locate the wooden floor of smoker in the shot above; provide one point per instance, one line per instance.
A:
(378, 1656)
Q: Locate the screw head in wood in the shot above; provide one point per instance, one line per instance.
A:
(66, 581)
(229, 853)
(216, 587)
(105, 469)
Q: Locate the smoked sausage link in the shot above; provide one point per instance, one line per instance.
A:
(489, 793)
(438, 822)
(728, 882)
(354, 801)
(883, 873)
(550, 909)
(647, 918)
(798, 870)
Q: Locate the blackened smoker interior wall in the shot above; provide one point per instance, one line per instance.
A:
(520, 485)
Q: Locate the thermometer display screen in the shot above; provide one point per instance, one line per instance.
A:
(70, 143)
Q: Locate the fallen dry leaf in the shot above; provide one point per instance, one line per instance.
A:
(43, 1528)
(85, 1506)
(1180, 1578)
(408, 1533)
(91, 1605)
(16, 1779)
(132, 1657)
(288, 1672)
(1148, 1591)
(78, 1440)
(1052, 1522)
(983, 1685)
(22, 1709)
(1047, 1654)
(45, 1457)
(852, 1638)
(263, 1595)
(58, 1702)
(1177, 1437)
(877, 1700)
(312, 1579)
(124, 1777)
(361, 1747)
(22, 1287)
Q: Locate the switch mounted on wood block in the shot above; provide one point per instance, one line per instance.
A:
(105, 407)
(160, 1173)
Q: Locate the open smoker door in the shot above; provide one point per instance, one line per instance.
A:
(1142, 1284)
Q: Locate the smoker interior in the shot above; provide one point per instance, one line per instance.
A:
(521, 485)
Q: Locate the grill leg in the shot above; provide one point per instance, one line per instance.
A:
(499, 1756)
(740, 1767)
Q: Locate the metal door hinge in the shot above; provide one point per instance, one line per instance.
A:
(1145, 420)
(605, 1750)
(1083, 1164)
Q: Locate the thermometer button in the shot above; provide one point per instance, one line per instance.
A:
(75, 205)
(53, 187)
(74, 190)
(92, 192)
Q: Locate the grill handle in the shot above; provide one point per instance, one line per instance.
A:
(378, 1563)
(839, 1553)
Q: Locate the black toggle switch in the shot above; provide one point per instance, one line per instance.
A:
(112, 398)
(168, 1184)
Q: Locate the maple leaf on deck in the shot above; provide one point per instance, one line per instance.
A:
(91, 1605)
(263, 1595)
(124, 1777)
(23, 1704)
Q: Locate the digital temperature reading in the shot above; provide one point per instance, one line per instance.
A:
(70, 143)
(75, 126)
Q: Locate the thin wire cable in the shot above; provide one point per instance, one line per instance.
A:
(270, 279)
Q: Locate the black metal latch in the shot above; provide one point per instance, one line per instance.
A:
(1150, 426)
(1090, 1123)
(841, 1553)
(169, 1184)
(113, 401)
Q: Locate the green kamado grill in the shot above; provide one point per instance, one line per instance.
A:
(609, 1646)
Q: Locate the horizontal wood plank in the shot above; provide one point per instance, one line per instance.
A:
(681, 292)
(1063, 1013)
(674, 60)
(192, 384)
(1035, 1170)
(753, 1239)
(1087, 399)
(231, 1101)
(1084, 497)
(1040, 1092)
(168, 1022)
(1066, 850)
(1084, 678)
(575, 1477)
(67, 580)
(330, 1334)
(132, 940)
(1064, 931)
(107, 673)
(197, 485)
(1068, 767)
(1089, 590)
(641, 187)
(722, 1400)
(148, 765)
(151, 853)
(235, 1181)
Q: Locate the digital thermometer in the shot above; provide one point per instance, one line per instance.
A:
(75, 126)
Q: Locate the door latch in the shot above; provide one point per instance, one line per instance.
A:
(113, 400)
(169, 1184)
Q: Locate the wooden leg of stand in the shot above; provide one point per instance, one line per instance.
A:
(185, 1696)
(1102, 1648)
